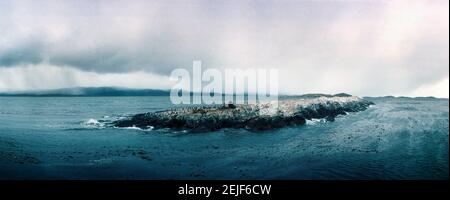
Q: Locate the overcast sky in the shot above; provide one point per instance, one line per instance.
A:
(367, 48)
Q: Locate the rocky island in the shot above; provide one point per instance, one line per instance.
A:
(258, 116)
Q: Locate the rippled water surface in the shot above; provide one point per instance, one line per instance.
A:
(69, 138)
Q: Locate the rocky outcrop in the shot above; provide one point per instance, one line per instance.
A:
(260, 116)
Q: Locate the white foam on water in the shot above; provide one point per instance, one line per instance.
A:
(148, 128)
(93, 123)
(132, 128)
(315, 121)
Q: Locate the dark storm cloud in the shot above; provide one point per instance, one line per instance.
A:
(102, 60)
(25, 52)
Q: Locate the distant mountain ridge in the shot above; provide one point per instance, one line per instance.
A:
(91, 91)
(119, 91)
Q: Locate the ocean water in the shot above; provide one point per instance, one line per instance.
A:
(69, 138)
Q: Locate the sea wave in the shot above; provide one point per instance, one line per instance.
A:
(316, 121)
(94, 123)
(148, 128)
(103, 122)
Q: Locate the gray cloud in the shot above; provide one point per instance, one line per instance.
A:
(23, 52)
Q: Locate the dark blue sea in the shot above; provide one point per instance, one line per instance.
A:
(69, 138)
